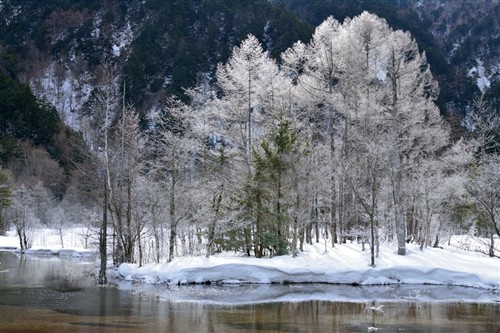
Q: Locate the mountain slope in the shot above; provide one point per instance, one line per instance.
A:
(161, 47)
(155, 47)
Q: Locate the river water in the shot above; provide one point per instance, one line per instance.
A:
(50, 294)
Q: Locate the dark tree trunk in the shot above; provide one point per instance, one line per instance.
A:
(103, 237)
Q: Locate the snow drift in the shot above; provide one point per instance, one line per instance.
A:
(344, 264)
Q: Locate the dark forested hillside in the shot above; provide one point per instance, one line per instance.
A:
(162, 47)
(158, 47)
(181, 42)
(21, 116)
(468, 33)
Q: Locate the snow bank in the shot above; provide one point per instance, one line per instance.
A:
(344, 264)
(10, 241)
(457, 265)
(47, 242)
(68, 253)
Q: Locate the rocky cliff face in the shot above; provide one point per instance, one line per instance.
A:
(468, 33)
(58, 47)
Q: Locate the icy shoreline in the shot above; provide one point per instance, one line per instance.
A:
(457, 264)
(67, 253)
(345, 264)
(47, 243)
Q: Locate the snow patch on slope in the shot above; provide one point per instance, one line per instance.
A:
(122, 39)
(479, 73)
(456, 46)
(66, 92)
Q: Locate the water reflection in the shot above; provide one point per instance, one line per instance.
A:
(54, 295)
(41, 271)
(267, 293)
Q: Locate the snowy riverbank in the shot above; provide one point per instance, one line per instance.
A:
(459, 264)
(48, 243)
(344, 264)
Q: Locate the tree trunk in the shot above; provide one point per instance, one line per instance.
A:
(340, 210)
(301, 239)
(333, 198)
(295, 225)
(25, 240)
(20, 235)
(171, 244)
(249, 134)
(210, 238)
(372, 247)
(103, 237)
(173, 219)
(308, 233)
(129, 250)
(61, 237)
(156, 235)
(316, 215)
(436, 241)
(248, 241)
(396, 164)
(333, 230)
(120, 240)
(211, 229)
(492, 246)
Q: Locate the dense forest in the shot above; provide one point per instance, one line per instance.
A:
(223, 130)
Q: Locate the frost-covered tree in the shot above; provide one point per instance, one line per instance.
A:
(364, 171)
(219, 184)
(361, 146)
(315, 70)
(58, 220)
(154, 202)
(127, 145)
(485, 128)
(483, 186)
(252, 93)
(22, 213)
(248, 82)
(416, 127)
(364, 77)
(483, 183)
(174, 151)
(434, 191)
(102, 110)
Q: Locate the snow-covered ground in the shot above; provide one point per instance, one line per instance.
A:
(76, 242)
(344, 264)
(458, 264)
